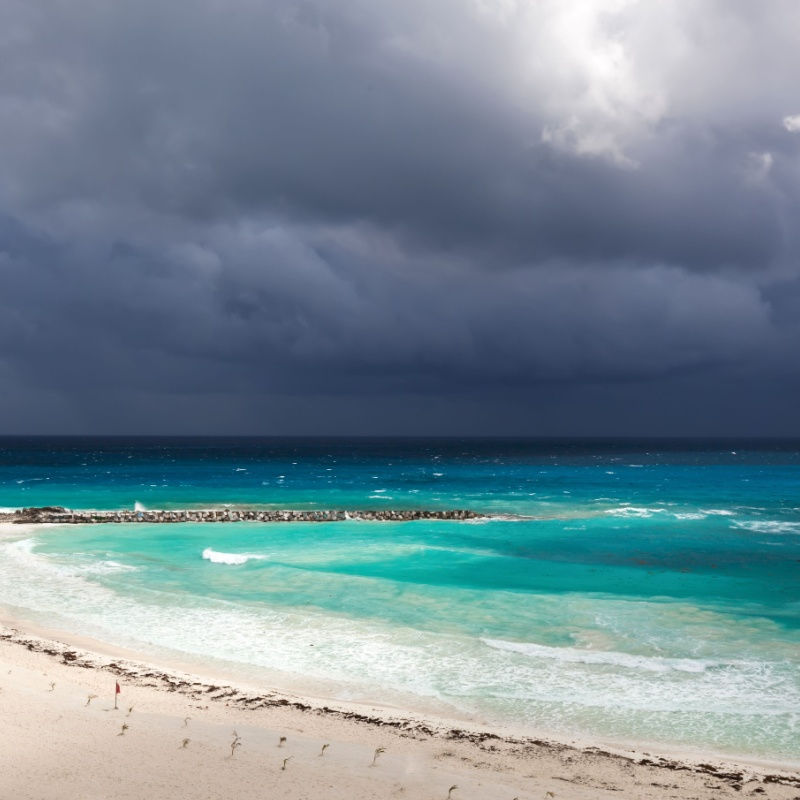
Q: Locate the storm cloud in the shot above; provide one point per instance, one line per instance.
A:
(484, 216)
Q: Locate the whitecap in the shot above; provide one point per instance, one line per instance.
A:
(767, 526)
(633, 511)
(217, 557)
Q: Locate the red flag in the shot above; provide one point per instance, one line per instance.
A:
(118, 689)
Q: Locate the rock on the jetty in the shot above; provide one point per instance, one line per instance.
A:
(59, 514)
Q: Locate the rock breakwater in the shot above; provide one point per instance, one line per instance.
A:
(61, 516)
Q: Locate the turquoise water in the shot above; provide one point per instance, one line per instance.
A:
(652, 592)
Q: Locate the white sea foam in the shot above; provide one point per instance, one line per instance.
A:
(689, 515)
(767, 526)
(634, 511)
(79, 563)
(497, 518)
(718, 512)
(607, 692)
(106, 567)
(217, 557)
(572, 655)
(137, 506)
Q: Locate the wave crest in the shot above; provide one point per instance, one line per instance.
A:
(634, 511)
(767, 526)
(217, 557)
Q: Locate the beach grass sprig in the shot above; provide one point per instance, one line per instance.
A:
(89, 698)
(324, 748)
(185, 743)
(451, 790)
(285, 760)
(378, 751)
(282, 741)
(124, 727)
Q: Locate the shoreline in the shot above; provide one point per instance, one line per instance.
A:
(247, 691)
(365, 722)
(422, 747)
(314, 693)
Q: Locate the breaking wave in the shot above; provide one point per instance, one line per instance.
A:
(634, 511)
(216, 557)
(767, 526)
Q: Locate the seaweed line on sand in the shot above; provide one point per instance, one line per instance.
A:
(148, 676)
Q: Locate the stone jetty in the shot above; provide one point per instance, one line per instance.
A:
(62, 516)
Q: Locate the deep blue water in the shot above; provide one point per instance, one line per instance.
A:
(650, 592)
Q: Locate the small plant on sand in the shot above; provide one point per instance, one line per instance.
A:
(324, 748)
(378, 751)
(186, 722)
(130, 711)
(125, 727)
(282, 741)
(288, 758)
(90, 698)
(237, 742)
(185, 743)
(451, 790)
(52, 686)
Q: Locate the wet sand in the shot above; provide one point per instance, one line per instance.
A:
(176, 736)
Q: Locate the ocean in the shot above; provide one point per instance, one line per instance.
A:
(616, 590)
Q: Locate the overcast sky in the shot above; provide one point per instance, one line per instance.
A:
(400, 216)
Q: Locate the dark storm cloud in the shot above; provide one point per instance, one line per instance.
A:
(227, 209)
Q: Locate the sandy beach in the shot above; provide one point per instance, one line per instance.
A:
(177, 736)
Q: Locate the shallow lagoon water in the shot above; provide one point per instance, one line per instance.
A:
(652, 593)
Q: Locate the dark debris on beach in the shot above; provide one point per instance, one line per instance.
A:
(484, 740)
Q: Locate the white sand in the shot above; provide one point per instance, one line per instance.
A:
(54, 745)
